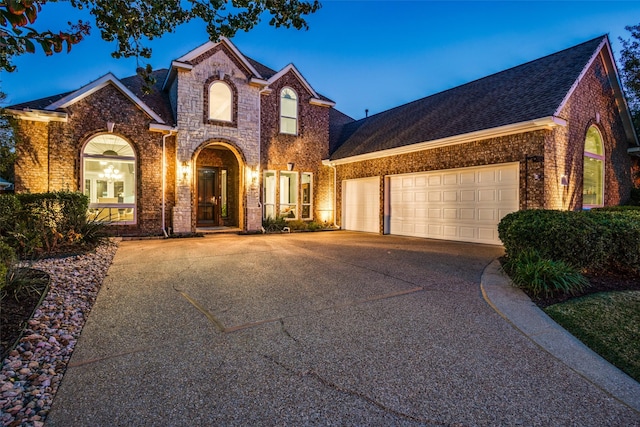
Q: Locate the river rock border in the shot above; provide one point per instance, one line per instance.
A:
(32, 372)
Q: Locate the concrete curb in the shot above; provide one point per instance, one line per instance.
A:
(515, 306)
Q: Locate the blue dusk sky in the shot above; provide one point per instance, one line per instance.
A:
(361, 54)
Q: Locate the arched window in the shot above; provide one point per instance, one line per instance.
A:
(593, 171)
(109, 178)
(220, 101)
(288, 111)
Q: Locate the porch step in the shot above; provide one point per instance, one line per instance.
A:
(218, 230)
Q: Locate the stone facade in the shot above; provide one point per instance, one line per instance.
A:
(197, 132)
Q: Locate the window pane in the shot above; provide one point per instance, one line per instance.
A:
(288, 125)
(269, 196)
(108, 167)
(593, 142)
(306, 191)
(288, 194)
(289, 108)
(220, 98)
(592, 192)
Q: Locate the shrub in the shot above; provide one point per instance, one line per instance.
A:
(276, 224)
(7, 258)
(544, 277)
(297, 224)
(596, 240)
(46, 223)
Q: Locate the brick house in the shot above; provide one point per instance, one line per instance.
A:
(224, 141)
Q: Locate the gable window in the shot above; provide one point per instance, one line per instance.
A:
(289, 194)
(593, 171)
(288, 111)
(109, 179)
(306, 187)
(220, 101)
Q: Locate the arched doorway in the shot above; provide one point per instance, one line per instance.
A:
(218, 189)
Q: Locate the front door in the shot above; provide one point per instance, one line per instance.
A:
(209, 200)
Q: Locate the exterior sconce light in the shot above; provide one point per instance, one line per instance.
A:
(290, 166)
(564, 180)
(110, 126)
(184, 169)
(254, 174)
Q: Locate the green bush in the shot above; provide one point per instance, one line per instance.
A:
(544, 277)
(596, 240)
(7, 258)
(46, 223)
(271, 224)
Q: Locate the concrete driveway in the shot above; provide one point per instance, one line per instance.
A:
(332, 328)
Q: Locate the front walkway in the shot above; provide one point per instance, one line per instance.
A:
(330, 328)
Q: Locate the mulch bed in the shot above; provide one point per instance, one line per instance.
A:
(16, 312)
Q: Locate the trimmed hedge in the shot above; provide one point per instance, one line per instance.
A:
(592, 241)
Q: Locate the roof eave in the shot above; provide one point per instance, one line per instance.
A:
(39, 115)
(95, 86)
(322, 103)
(511, 129)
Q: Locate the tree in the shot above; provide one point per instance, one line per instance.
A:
(130, 23)
(7, 144)
(630, 72)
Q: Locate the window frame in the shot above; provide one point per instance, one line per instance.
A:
(210, 82)
(111, 211)
(292, 207)
(310, 202)
(283, 116)
(265, 198)
(589, 156)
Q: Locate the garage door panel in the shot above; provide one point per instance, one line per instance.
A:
(461, 204)
(361, 204)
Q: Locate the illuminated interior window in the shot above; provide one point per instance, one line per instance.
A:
(306, 190)
(220, 101)
(289, 194)
(288, 111)
(593, 171)
(109, 179)
(269, 194)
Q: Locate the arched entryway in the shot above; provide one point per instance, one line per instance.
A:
(218, 186)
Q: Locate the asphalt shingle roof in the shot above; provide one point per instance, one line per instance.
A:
(527, 92)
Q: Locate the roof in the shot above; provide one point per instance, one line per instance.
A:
(528, 92)
(156, 103)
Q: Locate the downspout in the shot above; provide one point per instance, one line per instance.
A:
(164, 178)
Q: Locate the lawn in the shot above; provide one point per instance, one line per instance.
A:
(608, 323)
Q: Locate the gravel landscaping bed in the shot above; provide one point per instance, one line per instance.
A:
(32, 372)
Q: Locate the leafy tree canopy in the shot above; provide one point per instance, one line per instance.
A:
(131, 23)
(630, 72)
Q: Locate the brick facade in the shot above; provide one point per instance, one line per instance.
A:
(591, 104)
(306, 150)
(50, 152)
(506, 149)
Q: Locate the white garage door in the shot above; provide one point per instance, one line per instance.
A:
(457, 204)
(361, 204)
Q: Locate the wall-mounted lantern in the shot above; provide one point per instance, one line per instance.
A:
(184, 170)
(290, 166)
(564, 180)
